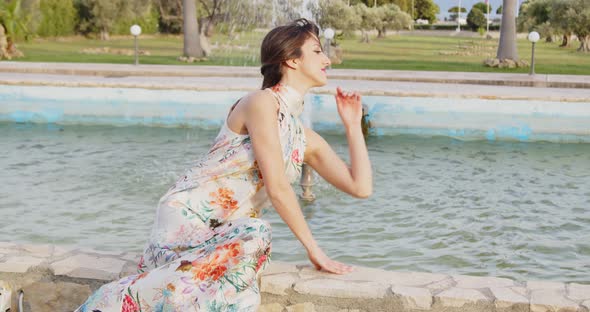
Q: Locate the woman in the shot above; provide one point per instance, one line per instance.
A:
(208, 246)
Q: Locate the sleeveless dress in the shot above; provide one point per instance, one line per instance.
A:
(208, 246)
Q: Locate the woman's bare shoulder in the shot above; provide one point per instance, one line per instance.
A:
(259, 100)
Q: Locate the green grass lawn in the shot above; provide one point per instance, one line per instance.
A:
(405, 52)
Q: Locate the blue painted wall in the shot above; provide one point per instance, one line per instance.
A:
(459, 118)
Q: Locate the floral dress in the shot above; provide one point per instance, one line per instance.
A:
(208, 246)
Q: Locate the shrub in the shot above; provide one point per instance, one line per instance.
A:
(476, 19)
(58, 18)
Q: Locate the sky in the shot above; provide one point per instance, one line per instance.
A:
(445, 5)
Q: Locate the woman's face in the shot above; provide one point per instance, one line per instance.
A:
(313, 62)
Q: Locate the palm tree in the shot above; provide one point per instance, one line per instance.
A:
(507, 47)
(192, 37)
(12, 27)
(12, 18)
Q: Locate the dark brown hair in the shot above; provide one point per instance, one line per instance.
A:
(281, 44)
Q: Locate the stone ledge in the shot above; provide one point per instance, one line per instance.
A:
(50, 274)
(123, 70)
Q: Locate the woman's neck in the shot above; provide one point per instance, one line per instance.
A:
(294, 83)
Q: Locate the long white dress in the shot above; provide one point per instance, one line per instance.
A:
(208, 246)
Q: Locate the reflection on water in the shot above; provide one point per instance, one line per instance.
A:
(519, 210)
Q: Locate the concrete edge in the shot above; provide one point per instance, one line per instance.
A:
(285, 285)
(479, 78)
(320, 90)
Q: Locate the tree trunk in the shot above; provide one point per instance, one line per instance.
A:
(381, 32)
(507, 47)
(190, 28)
(584, 44)
(204, 42)
(565, 41)
(104, 34)
(364, 36)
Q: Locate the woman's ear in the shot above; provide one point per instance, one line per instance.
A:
(292, 63)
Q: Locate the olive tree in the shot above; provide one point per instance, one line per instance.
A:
(335, 14)
(370, 19)
(562, 26)
(534, 15)
(578, 17)
(393, 18)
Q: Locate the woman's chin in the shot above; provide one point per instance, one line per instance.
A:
(321, 83)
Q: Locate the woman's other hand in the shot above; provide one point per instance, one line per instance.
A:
(324, 263)
(349, 107)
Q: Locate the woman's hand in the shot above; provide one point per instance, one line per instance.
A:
(350, 107)
(322, 262)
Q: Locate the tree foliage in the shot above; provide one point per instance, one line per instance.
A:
(141, 12)
(170, 15)
(426, 9)
(100, 15)
(282, 11)
(58, 18)
(455, 9)
(14, 20)
(393, 18)
(238, 15)
(577, 16)
(483, 7)
(335, 14)
(535, 15)
(565, 17)
(369, 19)
(476, 19)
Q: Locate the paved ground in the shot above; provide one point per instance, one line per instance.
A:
(369, 82)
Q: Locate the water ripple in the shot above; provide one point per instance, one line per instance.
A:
(507, 209)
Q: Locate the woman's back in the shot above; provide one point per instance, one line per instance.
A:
(224, 185)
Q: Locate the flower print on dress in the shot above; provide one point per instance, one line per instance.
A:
(295, 156)
(218, 203)
(223, 198)
(129, 304)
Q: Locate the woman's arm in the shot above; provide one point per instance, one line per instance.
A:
(262, 125)
(356, 180)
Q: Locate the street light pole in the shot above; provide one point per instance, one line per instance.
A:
(136, 31)
(136, 51)
(533, 38)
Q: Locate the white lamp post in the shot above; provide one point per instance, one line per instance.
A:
(533, 37)
(136, 31)
(328, 35)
